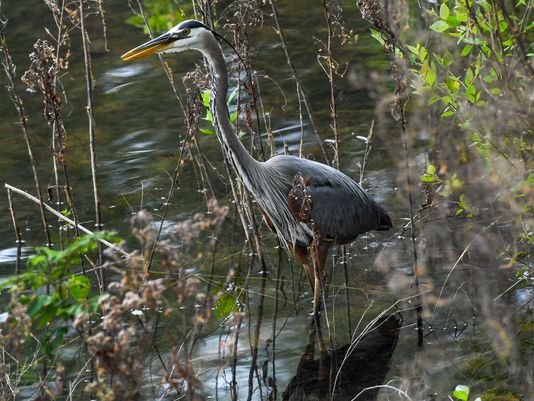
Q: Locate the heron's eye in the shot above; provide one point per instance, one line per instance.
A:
(186, 31)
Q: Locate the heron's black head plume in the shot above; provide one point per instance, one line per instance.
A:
(228, 43)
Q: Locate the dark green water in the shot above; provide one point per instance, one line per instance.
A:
(139, 127)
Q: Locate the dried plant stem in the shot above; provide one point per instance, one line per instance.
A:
(519, 38)
(346, 289)
(17, 231)
(330, 74)
(183, 148)
(261, 298)
(267, 124)
(64, 218)
(203, 169)
(237, 330)
(301, 122)
(367, 151)
(54, 125)
(296, 77)
(9, 69)
(175, 180)
(275, 317)
(91, 118)
(399, 91)
(381, 20)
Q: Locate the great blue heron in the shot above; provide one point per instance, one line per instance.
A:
(309, 205)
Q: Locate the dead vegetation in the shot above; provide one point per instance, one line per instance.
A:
(140, 321)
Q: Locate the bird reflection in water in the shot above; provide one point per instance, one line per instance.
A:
(348, 371)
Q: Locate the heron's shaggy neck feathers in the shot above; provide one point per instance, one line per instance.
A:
(269, 186)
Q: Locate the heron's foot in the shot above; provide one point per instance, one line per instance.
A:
(316, 330)
(315, 314)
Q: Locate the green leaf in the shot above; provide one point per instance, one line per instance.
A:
(136, 20)
(433, 99)
(447, 59)
(503, 26)
(462, 202)
(233, 117)
(377, 36)
(427, 178)
(37, 305)
(469, 76)
(444, 11)
(452, 21)
(466, 50)
(207, 131)
(485, 5)
(431, 75)
(80, 287)
(413, 49)
(52, 340)
(452, 84)
(461, 15)
(209, 116)
(232, 96)
(439, 26)
(206, 96)
(422, 53)
(430, 175)
(461, 392)
(49, 311)
(226, 305)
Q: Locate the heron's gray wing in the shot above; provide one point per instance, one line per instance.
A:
(341, 214)
(340, 209)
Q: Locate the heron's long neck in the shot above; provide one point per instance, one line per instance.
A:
(245, 164)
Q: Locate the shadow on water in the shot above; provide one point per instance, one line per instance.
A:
(349, 372)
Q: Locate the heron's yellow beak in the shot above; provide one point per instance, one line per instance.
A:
(156, 45)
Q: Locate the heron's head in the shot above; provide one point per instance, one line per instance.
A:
(190, 34)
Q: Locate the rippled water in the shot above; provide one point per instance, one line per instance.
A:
(139, 127)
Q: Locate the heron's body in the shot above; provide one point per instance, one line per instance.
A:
(339, 209)
(307, 204)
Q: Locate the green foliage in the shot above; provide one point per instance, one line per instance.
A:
(161, 15)
(430, 175)
(461, 392)
(52, 293)
(226, 305)
(472, 66)
(476, 27)
(206, 102)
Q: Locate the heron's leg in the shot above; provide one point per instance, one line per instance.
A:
(302, 253)
(318, 250)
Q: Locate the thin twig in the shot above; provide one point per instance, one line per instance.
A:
(296, 77)
(415, 267)
(17, 231)
(59, 215)
(330, 74)
(9, 69)
(91, 118)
